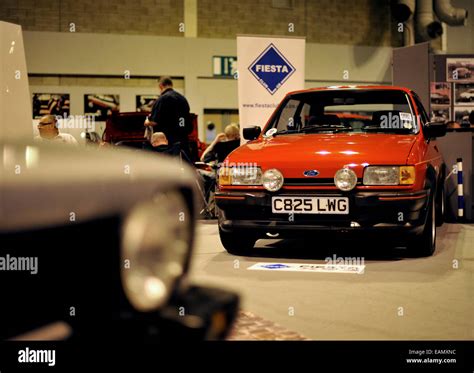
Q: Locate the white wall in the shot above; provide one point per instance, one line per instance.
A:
(191, 58)
(15, 99)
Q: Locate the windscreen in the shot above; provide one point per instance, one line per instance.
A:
(363, 111)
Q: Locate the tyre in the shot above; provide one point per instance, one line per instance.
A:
(425, 244)
(237, 243)
(440, 205)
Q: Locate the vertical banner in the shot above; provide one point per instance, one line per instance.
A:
(268, 68)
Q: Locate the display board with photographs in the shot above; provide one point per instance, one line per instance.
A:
(50, 103)
(464, 94)
(440, 96)
(144, 103)
(460, 70)
(101, 105)
(464, 115)
(440, 113)
(440, 93)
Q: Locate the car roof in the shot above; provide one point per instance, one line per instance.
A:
(351, 87)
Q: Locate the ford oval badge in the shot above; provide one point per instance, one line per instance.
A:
(311, 173)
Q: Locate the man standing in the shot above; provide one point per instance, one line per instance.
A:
(170, 115)
(49, 131)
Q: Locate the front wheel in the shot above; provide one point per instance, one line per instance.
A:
(237, 243)
(425, 244)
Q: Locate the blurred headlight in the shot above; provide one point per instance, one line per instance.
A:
(240, 175)
(389, 175)
(155, 248)
(345, 179)
(272, 180)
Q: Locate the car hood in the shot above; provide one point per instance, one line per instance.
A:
(325, 153)
(50, 184)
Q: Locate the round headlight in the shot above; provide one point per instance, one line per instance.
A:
(272, 180)
(345, 179)
(156, 241)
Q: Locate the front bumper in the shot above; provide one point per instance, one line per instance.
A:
(368, 211)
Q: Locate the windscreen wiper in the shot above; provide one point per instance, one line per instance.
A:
(286, 132)
(386, 130)
(322, 128)
(317, 128)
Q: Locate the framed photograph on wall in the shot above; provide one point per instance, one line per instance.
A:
(464, 115)
(460, 70)
(101, 105)
(50, 103)
(440, 93)
(440, 113)
(464, 94)
(144, 103)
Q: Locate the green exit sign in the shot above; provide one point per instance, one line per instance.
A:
(224, 65)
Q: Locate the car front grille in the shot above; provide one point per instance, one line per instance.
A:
(313, 182)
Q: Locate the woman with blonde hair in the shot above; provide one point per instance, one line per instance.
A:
(223, 144)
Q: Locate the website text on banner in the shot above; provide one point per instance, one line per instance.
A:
(268, 68)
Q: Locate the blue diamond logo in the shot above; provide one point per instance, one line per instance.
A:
(271, 69)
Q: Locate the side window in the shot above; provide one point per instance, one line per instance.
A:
(293, 115)
(287, 116)
(304, 114)
(424, 117)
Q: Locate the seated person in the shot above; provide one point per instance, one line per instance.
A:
(223, 145)
(49, 132)
(159, 143)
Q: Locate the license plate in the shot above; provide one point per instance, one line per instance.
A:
(310, 205)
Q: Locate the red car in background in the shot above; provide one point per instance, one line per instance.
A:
(337, 160)
(127, 129)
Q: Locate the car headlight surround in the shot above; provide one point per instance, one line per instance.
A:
(389, 175)
(240, 175)
(272, 180)
(345, 179)
(156, 239)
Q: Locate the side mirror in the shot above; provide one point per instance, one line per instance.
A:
(432, 130)
(251, 133)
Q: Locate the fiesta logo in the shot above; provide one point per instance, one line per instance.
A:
(311, 173)
(271, 69)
